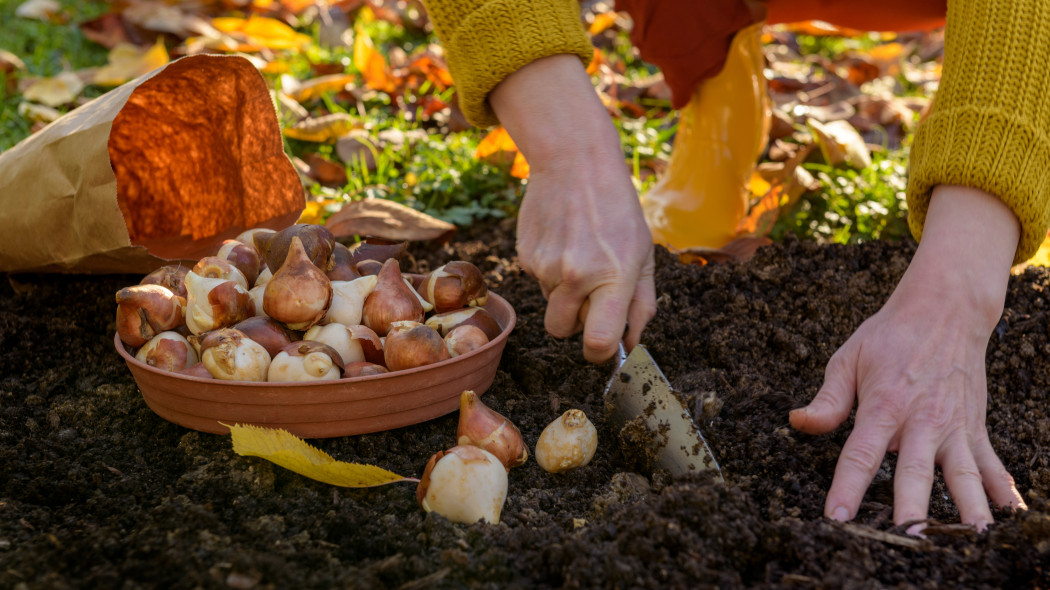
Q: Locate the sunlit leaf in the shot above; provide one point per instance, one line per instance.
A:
(260, 32)
(43, 10)
(54, 92)
(497, 140)
(293, 453)
(321, 129)
(317, 87)
(763, 214)
(520, 168)
(840, 144)
(393, 221)
(1042, 256)
(602, 22)
(127, 62)
(371, 63)
(38, 113)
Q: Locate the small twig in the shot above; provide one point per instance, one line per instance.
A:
(892, 539)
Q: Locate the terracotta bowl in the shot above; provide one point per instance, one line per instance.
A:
(327, 408)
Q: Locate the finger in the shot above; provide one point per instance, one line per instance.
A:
(860, 458)
(832, 404)
(604, 326)
(964, 481)
(641, 311)
(913, 477)
(563, 308)
(997, 480)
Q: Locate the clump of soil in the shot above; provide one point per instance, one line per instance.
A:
(97, 491)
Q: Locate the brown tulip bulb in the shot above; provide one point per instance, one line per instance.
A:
(168, 351)
(410, 344)
(170, 276)
(377, 249)
(369, 267)
(216, 302)
(363, 369)
(317, 242)
(305, 361)
(268, 332)
(244, 257)
(391, 301)
(471, 316)
(464, 339)
(299, 293)
(248, 237)
(196, 370)
(143, 311)
(231, 356)
(454, 285)
(343, 266)
(481, 426)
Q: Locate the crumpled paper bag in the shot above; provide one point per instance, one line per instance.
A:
(160, 169)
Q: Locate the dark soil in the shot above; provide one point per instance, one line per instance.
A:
(96, 491)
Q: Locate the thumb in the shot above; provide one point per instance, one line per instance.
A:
(832, 404)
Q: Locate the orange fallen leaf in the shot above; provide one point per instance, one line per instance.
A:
(740, 249)
(602, 22)
(293, 453)
(371, 63)
(497, 140)
(520, 168)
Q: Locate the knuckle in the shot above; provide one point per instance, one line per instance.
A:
(863, 457)
(915, 471)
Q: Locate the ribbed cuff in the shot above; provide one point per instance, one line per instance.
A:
(988, 149)
(503, 36)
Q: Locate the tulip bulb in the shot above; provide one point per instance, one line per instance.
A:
(483, 427)
(213, 267)
(231, 356)
(464, 339)
(464, 484)
(268, 332)
(363, 369)
(567, 443)
(410, 344)
(216, 302)
(299, 293)
(343, 266)
(196, 370)
(317, 242)
(143, 311)
(348, 300)
(391, 301)
(377, 249)
(369, 267)
(353, 343)
(305, 361)
(454, 285)
(248, 237)
(168, 351)
(473, 316)
(243, 257)
(170, 276)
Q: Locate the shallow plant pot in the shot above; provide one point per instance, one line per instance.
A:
(325, 408)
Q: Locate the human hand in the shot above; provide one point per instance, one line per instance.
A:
(917, 370)
(581, 231)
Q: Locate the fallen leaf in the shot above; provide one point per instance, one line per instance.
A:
(370, 63)
(262, 32)
(840, 143)
(740, 249)
(383, 218)
(520, 167)
(37, 113)
(497, 148)
(763, 214)
(43, 10)
(10, 66)
(54, 92)
(127, 62)
(293, 453)
(321, 129)
(157, 16)
(324, 171)
(602, 22)
(315, 88)
(354, 149)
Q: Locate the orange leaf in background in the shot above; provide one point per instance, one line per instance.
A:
(597, 61)
(437, 73)
(819, 28)
(887, 57)
(520, 169)
(498, 140)
(763, 214)
(602, 22)
(371, 63)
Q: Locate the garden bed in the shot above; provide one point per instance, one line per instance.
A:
(97, 491)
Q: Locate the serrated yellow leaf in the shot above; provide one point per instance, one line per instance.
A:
(293, 453)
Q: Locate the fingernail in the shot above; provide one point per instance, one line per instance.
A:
(840, 514)
(916, 529)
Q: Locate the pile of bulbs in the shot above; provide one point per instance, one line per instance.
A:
(295, 305)
(468, 482)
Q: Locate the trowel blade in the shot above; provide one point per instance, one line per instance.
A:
(638, 389)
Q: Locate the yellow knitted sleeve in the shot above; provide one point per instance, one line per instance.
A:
(487, 40)
(989, 126)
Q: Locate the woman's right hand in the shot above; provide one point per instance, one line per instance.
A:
(581, 231)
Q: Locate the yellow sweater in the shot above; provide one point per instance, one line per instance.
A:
(989, 127)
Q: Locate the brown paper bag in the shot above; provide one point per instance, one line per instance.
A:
(162, 168)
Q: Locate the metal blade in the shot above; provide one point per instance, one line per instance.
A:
(639, 390)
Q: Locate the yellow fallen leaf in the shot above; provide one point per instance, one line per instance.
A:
(293, 453)
(262, 32)
(520, 168)
(127, 62)
(840, 143)
(55, 92)
(315, 88)
(1042, 256)
(497, 140)
(371, 63)
(602, 22)
(37, 113)
(321, 129)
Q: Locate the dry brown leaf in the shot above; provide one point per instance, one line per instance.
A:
(354, 148)
(841, 144)
(386, 219)
(740, 249)
(10, 66)
(110, 30)
(324, 171)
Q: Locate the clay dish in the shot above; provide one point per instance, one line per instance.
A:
(327, 408)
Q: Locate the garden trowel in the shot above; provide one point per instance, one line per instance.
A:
(639, 396)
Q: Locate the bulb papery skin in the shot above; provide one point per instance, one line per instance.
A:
(268, 332)
(427, 307)
(214, 303)
(481, 426)
(299, 293)
(317, 242)
(213, 267)
(248, 237)
(197, 370)
(312, 367)
(411, 344)
(343, 266)
(231, 356)
(363, 369)
(464, 339)
(391, 301)
(377, 249)
(168, 351)
(472, 316)
(353, 343)
(170, 276)
(567, 443)
(143, 311)
(454, 285)
(465, 484)
(258, 294)
(264, 277)
(348, 300)
(243, 257)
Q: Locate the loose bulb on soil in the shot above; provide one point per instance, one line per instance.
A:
(567, 443)
(305, 361)
(143, 311)
(464, 484)
(481, 426)
(231, 356)
(168, 351)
